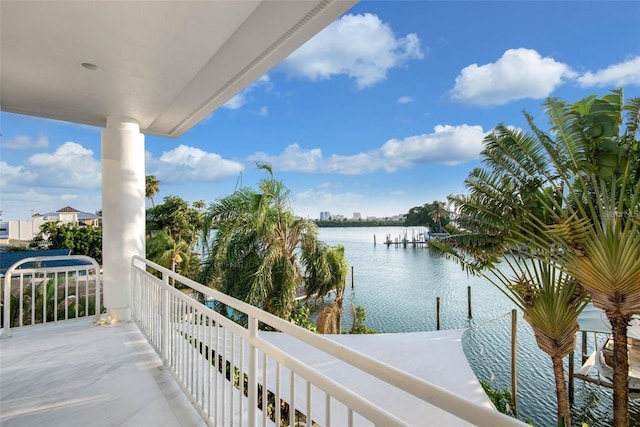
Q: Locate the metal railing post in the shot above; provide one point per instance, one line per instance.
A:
(6, 301)
(253, 371)
(164, 318)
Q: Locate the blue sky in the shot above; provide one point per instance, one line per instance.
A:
(383, 111)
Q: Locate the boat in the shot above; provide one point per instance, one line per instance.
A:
(594, 320)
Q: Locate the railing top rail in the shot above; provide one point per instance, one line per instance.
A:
(88, 263)
(436, 395)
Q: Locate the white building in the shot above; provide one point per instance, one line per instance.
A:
(16, 232)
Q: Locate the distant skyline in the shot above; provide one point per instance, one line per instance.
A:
(384, 110)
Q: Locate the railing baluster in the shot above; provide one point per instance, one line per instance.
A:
(55, 296)
(21, 309)
(241, 386)
(277, 405)
(308, 420)
(292, 398)
(66, 294)
(222, 352)
(264, 394)
(217, 368)
(253, 371)
(232, 377)
(33, 299)
(327, 410)
(210, 366)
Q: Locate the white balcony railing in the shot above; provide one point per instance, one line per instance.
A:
(234, 376)
(52, 289)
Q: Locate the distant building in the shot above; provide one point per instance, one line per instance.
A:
(69, 215)
(325, 216)
(357, 216)
(15, 232)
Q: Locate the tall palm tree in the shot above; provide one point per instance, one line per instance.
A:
(152, 186)
(256, 250)
(492, 247)
(569, 198)
(598, 236)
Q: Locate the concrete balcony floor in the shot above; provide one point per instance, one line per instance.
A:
(81, 374)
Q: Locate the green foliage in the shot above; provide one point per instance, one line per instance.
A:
(85, 240)
(259, 249)
(501, 399)
(433, 215)
(181, 220)
(359, 321)
(173, 228)
(301, 316)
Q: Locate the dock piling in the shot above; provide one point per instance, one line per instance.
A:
(514, 371)
(437, 313)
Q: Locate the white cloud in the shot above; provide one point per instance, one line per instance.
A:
(518, 74)
(245, 97)
(359, 46)
(263, 111)
(70, 166)
(185, 163)
(324, 195)
(293, 158)
(405, 99)
(22, 142)
(622, 74)
(447, 145)
(10, 175)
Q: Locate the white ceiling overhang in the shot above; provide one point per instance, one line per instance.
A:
(166, 64)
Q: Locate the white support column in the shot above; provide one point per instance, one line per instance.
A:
(123, 210)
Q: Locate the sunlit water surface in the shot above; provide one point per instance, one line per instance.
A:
(398, 288)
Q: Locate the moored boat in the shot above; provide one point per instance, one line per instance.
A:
(594, 320)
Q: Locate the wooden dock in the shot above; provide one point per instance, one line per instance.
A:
(421, 239)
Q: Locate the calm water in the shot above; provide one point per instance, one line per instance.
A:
(398, 288)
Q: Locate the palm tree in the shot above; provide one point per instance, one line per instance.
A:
(598, 237)
(569, 198)
(167, 251)
(549, 299)
(326, 271)
(152, 186)
(438, 213)
(255, 253)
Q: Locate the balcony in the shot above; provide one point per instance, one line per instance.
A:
(182, 363)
